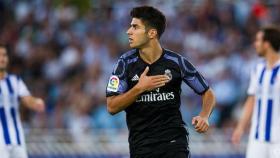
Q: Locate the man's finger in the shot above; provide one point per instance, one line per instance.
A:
(235, 140)
(199, 130)
(159, 85)
(158, 77)
(204, 128)
(194, 121)
(199, 123)
(207, 127)
(159, 82)
(145, 71)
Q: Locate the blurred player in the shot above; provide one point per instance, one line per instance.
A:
(146, 83)
(12, 91)
(263, 100)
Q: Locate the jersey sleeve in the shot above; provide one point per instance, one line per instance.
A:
(22, 88)
(193, 78)
(253, 83)
(117, 83)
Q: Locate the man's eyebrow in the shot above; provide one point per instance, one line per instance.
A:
(133, 25)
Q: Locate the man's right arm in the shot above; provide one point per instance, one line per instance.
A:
(244, 121)
(120, 102)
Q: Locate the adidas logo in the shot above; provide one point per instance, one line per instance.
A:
(135, 78)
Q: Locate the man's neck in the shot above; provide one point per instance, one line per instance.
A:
(151, 52)
(272, 58)
(2, 74)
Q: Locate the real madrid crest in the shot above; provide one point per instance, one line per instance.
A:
(168, 73)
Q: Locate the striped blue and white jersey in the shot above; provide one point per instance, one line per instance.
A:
(265, 86)
(11, 89)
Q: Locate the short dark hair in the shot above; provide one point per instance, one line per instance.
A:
(3, 46)
(272, 35)
(6, 47)
(151, 17)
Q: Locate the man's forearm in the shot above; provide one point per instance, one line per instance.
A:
(247, 113)
(208, 103)
(29, 102)
(120, 102)
(33, 103)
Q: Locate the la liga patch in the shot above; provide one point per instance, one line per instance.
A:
(113, 84)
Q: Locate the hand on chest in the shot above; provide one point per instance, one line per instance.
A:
(173, 75)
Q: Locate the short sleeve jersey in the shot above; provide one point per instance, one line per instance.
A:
(12, 88)
(265, 87)
(155, 115)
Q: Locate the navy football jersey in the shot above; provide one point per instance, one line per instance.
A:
(155, 117)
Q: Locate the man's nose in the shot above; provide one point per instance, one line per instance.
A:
(128, 31)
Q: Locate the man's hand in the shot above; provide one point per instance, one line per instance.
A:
(200, 124)
(39, 105)
(244, 120)
(120, 102)
(147, 83)
(236, 136)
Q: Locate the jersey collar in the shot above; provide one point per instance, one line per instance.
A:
(159, 59)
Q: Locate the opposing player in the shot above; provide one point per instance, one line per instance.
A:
(12, 91)
(263, 103)
(146, 83)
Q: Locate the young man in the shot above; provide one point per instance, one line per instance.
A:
(146, 83)
(13, 90)
(263, 100)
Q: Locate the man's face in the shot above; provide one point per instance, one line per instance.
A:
(137, 34)
(3, 59)
(260, 44)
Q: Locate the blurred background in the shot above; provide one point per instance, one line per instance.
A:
(65, 51)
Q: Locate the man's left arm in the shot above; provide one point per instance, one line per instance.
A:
(197, 82)
(200, 122)
(33, 103)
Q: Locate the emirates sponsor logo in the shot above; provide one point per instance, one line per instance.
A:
(154, 96)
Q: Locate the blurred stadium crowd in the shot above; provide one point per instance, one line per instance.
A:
(66, 50)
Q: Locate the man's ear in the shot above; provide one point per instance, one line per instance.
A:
(266, 44)
(152, 33)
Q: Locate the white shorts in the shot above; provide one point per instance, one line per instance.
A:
(258, 149)
(12, 151)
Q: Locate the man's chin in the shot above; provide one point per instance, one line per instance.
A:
(260, 54)
(132, 46)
